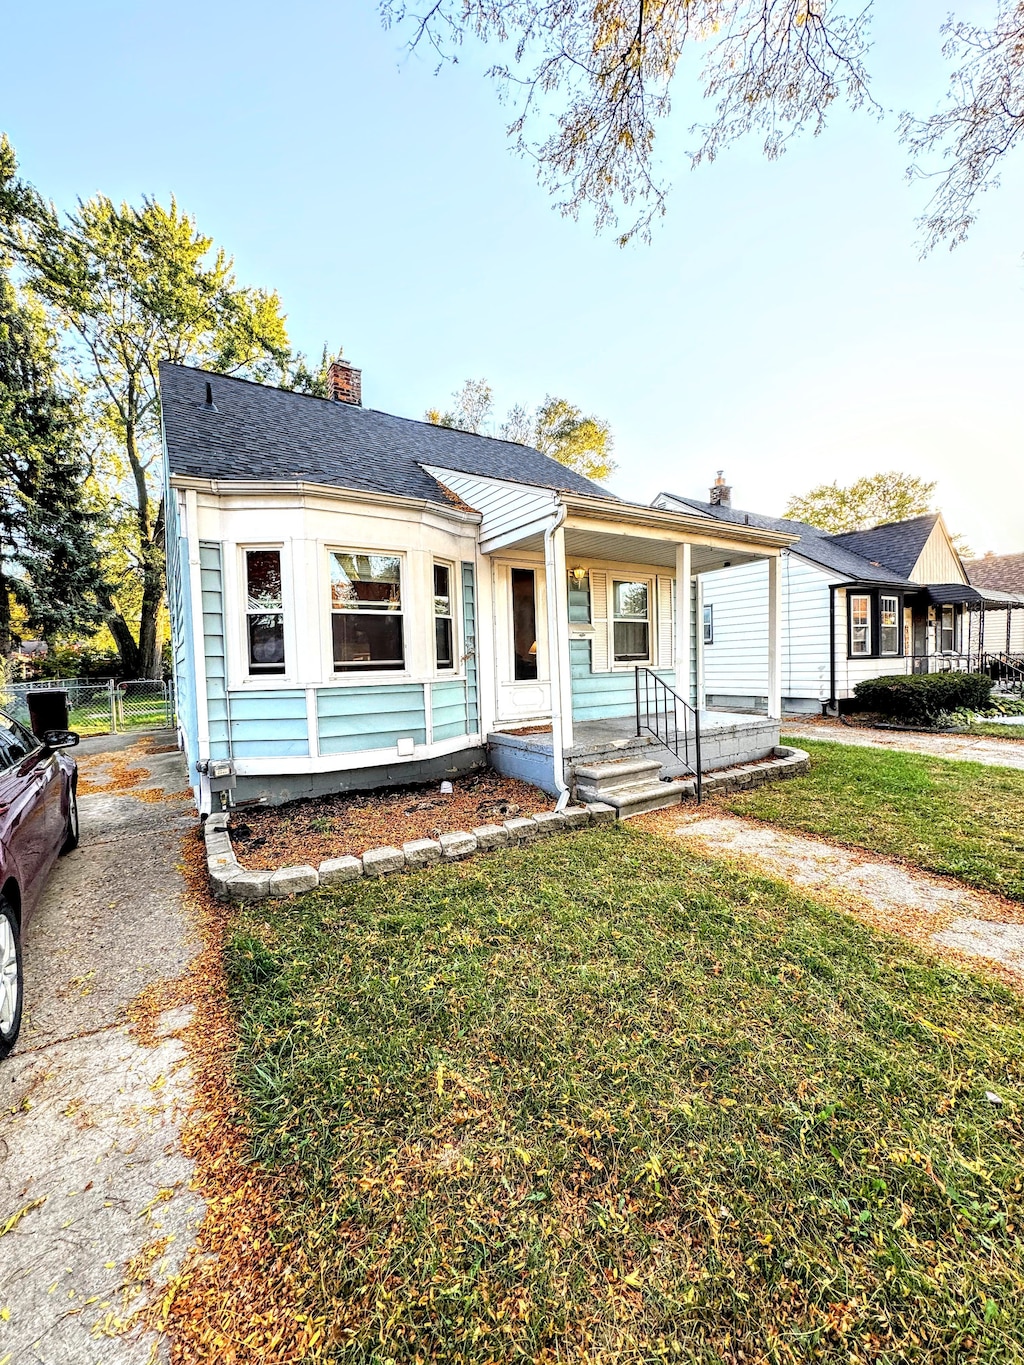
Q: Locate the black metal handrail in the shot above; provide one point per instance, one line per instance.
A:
(1006, 668)
(665, 724)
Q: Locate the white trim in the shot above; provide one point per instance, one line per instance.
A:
(774, 638)
(195, 579)
(364, 758)
(312, 723)
(683, 621)
(303, 488)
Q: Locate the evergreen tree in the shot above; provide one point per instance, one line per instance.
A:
(48, 560)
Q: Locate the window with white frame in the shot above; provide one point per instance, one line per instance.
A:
(948, 638)
(888, 624)
(860, 623)
(366, 612)
(444, 623)
(264, 612)
(631, 623)
(709, 623)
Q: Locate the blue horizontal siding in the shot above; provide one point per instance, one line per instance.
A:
(448, 711)
(351, 719)
(603, 696)
(469, 646)
(268, 724)
(211, 579)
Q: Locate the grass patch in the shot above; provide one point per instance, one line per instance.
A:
(962, 819)
(600, 1100)
(994, 730)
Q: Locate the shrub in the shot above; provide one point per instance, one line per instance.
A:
(920, 698)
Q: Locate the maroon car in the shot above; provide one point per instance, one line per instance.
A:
(38, 821)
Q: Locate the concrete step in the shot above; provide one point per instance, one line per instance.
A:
(616, 772)
(653, 796)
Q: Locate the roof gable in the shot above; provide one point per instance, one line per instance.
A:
(258, 433)
(895, 544)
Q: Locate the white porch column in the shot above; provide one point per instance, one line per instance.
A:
(684, 624)
(775, 637)
(557, 594)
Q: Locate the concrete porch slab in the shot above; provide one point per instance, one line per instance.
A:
(727, 739)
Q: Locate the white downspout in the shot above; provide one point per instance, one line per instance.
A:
(554, 657)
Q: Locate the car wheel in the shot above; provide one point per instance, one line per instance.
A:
(71, 828)
(12, 980)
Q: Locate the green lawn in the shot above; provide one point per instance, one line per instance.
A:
(994, 730)
(963, 819)
(602, 1100)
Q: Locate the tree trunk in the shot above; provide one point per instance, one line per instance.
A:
(6, 630)
(127, 649)
(150, 661)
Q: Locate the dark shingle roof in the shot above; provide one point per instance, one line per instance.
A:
(258, 433)
(896, 544)
(1005, 572)
(814, 544)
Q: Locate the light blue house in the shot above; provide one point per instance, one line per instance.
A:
(360, 600)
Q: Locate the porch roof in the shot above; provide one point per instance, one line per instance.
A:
(605, 528)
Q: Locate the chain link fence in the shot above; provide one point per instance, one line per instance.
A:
(99, 706)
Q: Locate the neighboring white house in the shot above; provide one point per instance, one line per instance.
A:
(892, 599)
(359, 600)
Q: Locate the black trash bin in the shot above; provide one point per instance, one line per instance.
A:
(48, 710)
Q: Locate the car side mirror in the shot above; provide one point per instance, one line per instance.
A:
(60, 739)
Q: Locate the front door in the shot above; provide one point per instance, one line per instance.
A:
(524, 678)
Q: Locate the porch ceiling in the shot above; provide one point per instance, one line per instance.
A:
(583, 544)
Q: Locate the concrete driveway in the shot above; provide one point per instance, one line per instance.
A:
(95, 1206)
(999, 753)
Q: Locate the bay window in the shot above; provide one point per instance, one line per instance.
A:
(444, 628)
(366, 612)
(264, 612)
(631, 625)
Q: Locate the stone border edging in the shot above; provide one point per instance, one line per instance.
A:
(229, 880)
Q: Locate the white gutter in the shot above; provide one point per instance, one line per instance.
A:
(557, 757)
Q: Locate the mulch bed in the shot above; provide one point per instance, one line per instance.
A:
(310, 831)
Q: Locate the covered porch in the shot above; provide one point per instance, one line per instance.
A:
(593, 600)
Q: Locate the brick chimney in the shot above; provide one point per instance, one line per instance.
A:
(721, 493)
(344, 383)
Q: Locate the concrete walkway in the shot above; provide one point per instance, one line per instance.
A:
(999, 753)
(933, 911)
(90, 1170)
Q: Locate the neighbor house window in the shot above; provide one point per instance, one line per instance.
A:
(860, 624)
(524, 625)
(366, 612)
(264, 611)
(444, 631)
(888, 625)
(948, 644)
(709, 625)
(579, 597)
(631, 626)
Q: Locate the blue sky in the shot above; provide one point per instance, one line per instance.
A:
(779, 326)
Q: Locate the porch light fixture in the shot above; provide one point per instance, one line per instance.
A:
(579, 573)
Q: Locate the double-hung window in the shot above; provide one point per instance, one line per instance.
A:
(366, 611)
(264, 612)
(444, 625)
(889, 624)
(948, 640)
(860, 623)
(631, 622)
(709, 624)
